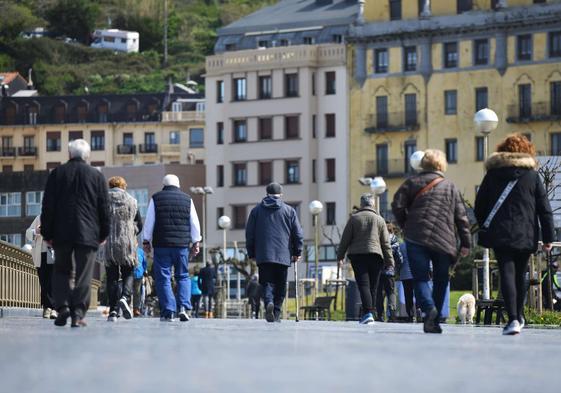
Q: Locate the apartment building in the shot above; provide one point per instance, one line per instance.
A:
(128, 129)
(421, 69)
(277, 110)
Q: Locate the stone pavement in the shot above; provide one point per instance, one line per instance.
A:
(146, 355)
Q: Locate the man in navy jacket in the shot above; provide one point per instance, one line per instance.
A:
(274, 239)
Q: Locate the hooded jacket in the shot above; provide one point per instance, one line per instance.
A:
(517, 223)
(273, 233)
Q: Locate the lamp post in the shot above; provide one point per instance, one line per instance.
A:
(415, 160)
(486, 121)
(204, 191)
(316, 208)
(224, 222)
(378, 187)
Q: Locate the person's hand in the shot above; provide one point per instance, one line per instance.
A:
(195, 249)
(296, 259)
(547, 247)
(464, 252)
(341, 262)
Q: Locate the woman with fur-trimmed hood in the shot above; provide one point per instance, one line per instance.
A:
(514, 231)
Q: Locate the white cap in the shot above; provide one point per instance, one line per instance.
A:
(171, 180)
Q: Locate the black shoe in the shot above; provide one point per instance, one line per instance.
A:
(183, 315)
(62, 317)
(431, 324)
(277, 316)
(78, 321)
(270, 312)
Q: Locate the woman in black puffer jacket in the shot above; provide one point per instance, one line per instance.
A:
(514, 231)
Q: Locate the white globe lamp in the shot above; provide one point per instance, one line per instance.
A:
(415, 160)
(315, 207)
(486, 121)
(224, 222)
(378, 185)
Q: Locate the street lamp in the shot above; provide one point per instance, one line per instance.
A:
(378, 187)
(204, 191)
(486, 121)
(415, 160)
(316, 208)
(224, 222)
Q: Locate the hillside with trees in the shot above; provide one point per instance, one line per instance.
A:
(63, 62)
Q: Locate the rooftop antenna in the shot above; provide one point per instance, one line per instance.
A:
(29, 80)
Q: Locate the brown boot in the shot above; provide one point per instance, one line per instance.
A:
(210, 315)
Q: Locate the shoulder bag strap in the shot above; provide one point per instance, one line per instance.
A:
(428, 187)
(499, 203)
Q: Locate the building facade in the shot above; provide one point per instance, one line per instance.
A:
(277, 110)
(421, 69)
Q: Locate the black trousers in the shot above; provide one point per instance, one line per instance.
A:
(45, 273)
(255, 303)
(77, 298)
(385, 290)
(512, 268)
(272, 277)
(408, 292)
(367, 269)
(116, 291)
(196, 304)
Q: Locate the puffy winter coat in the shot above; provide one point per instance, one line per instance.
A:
(121, 246)
(517, 222)
(435, 218)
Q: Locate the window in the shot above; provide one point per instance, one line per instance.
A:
(142, 199)
(220, 176)
(98, 140)
(410, 58)
(284, 42)
(291, 129)
(12, 238)
(7, 148)
(240, 215)
(381, 112)
(479, 148)
(451, 151)
(240, 131)
(10, 114)
(524, 47)
(230, 47)
(292, 172)
(29, 148)
(291, 85)
(102, 111)
(73, 135)
(330, 213)
(450, 102)
(464, 5)
(410, 148)
(174, 138)
(219, 91)
(10, 204)
(132, 108)
(60, 113)
(381, 56)
(450, 54)
(263, 44)
(481, 52)
(555, 98)
(32, 114)
(314, 131)
(196, 138)
(556, 144)
(309, 40)
(220, 133)
(265, 87)
(382, 159)
(219, 213)
(265, 128)
(265, 173)
(330, 83)
(411, 109)
(395, 9)
(33, 201)
(481, 98)
(150, 138)
(313, 83)
(128, 139)
(525, 100)
(330, 170)
(330, 125)
(313, 171)
(240, 89)
(53, 141)
(337, 38)
(240, 174)
(82, 113)
(555, 44)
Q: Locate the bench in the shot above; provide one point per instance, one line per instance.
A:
(488, 307)
(320, 309)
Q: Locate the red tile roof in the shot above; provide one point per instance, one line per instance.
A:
(9, 77)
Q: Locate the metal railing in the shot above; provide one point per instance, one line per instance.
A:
(388, 168)
(126, 149)
(183, 116)
(7, 151)
(393, 122)
(148, 148)
(27, 151)
(538, 111)
(19, 283)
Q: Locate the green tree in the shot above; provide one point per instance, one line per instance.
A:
(16, 18)
(150, 29)
(73, 18)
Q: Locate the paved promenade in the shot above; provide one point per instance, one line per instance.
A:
(146, 355)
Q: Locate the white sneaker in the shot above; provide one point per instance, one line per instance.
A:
(125, 308)
(522, 323)
(512, 328)
(54, 314)
(46, 313)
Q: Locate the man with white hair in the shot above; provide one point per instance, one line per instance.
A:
(172, 227)
(74, 221)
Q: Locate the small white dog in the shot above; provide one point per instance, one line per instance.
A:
(466, 308)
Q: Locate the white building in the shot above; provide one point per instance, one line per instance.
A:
(277, 110)
(114, 39)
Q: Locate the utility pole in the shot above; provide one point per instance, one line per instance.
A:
(165, 33)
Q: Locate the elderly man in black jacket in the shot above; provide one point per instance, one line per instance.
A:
(274, 239)
(75, 221)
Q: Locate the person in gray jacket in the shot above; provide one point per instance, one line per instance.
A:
(274, 239)
(366, 242)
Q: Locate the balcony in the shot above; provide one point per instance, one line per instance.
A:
(126, 150)
(538, 111)
(392, 122)
(170, 150)
(151, 148)
(394, 168)
(183, 116)
(7, 151)
(27, 151)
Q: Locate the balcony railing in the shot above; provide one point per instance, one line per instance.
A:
(7, 151)
(27, 151)
(148, 148)
(393, 122)
(126, 149)
(538, 111)
(183, 116)
(388, 168)
(170, 150)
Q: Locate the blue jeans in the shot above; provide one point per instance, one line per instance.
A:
(420, 258)
(164, 259)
